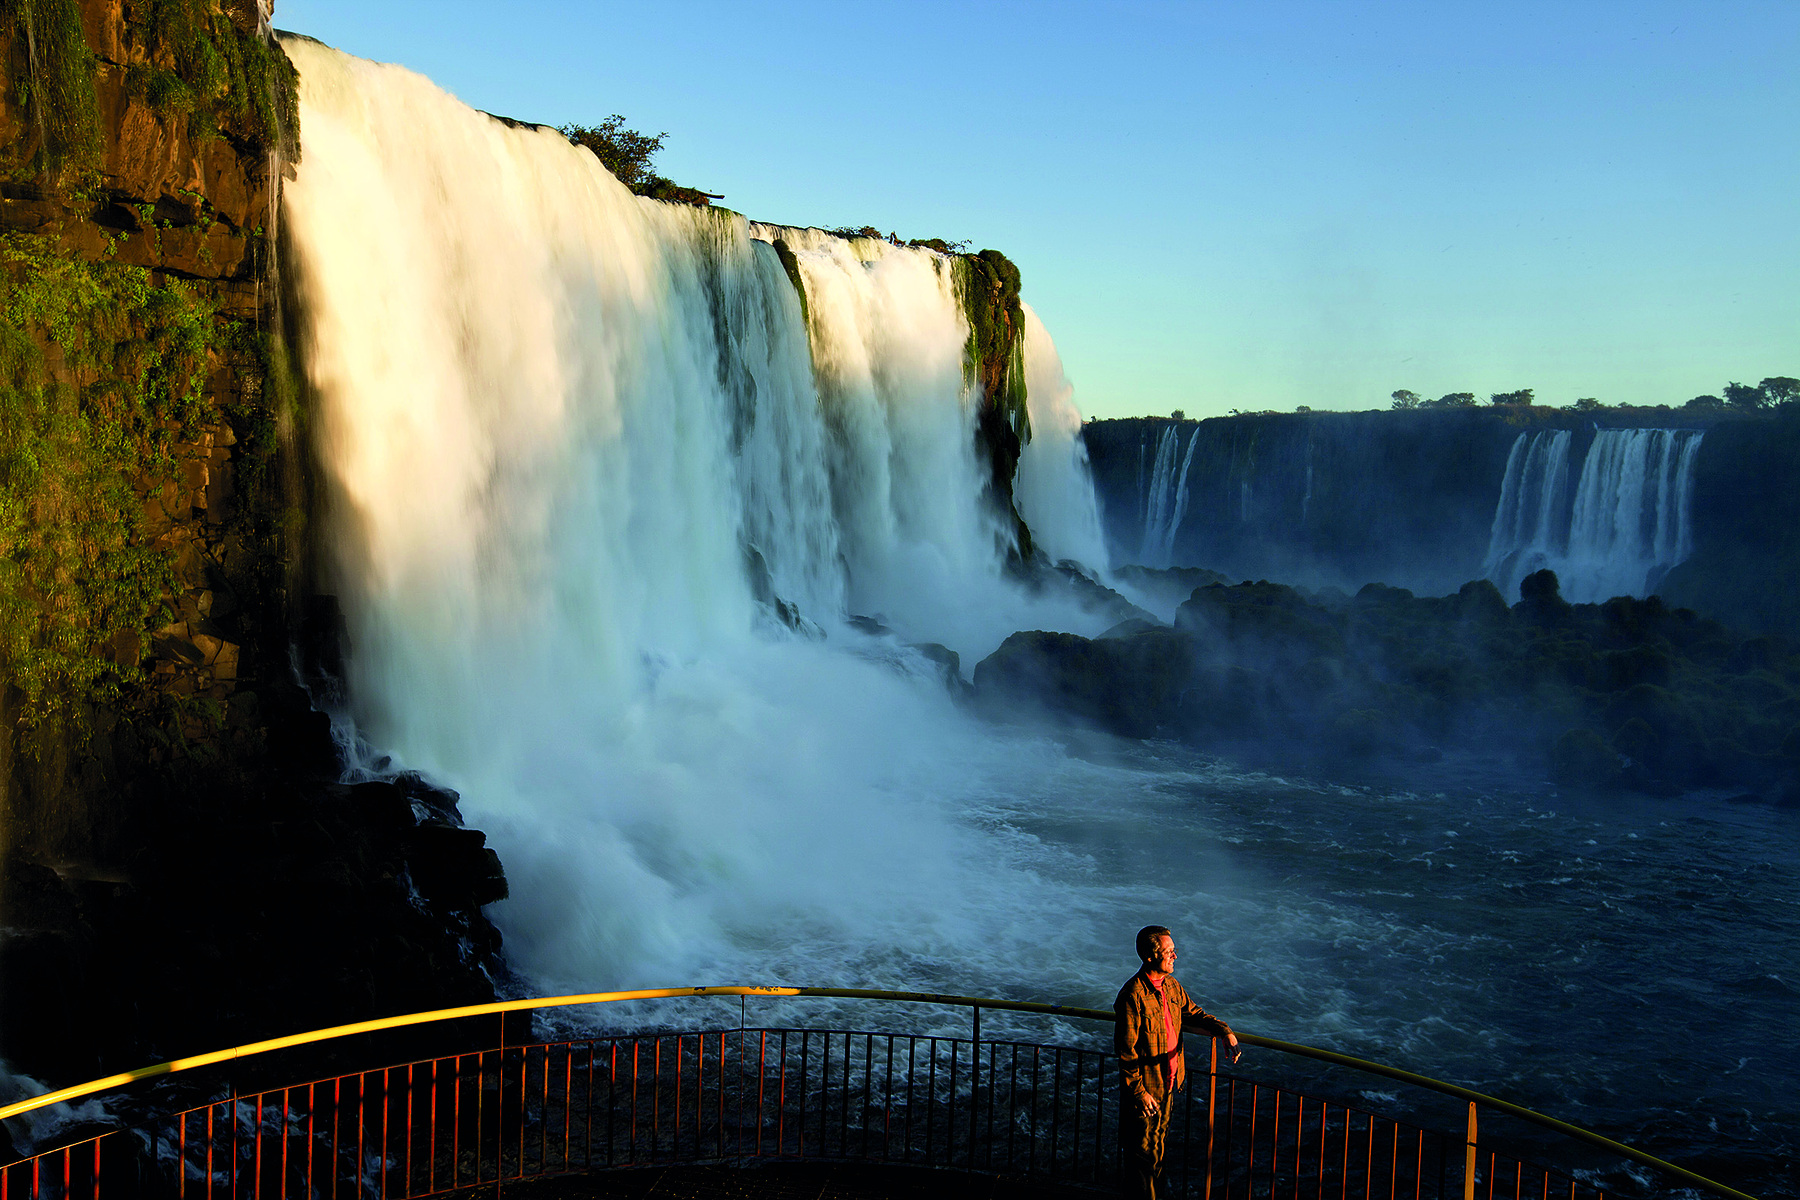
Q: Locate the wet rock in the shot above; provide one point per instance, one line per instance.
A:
(1133, 686)
(453, 867)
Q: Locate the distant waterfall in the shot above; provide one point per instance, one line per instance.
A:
(1626, 523)
(1526, 520)
(1166, 498)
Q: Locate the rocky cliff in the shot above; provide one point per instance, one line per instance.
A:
(181, 868)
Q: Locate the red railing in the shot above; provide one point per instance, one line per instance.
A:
(509, 1113)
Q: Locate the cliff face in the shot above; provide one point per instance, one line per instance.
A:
(1746, 527)
(1320, 499)
(1409, 498)
(179, 868)
(145, 581)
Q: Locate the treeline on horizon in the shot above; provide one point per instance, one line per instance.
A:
(1777, 391)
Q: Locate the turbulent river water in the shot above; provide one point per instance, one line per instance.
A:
(573, 444)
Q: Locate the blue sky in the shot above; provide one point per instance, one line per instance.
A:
(1249, 205)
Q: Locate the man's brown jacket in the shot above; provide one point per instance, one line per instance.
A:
(1141, 1032)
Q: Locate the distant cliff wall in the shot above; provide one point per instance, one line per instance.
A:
(1320, 499)
(1704, 509)
(1745, 566)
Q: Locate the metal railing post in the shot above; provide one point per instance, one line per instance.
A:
(1212, 1105)
(975, 1090)
(1469, 1158)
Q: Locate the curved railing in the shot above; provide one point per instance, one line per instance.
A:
(1234, 1136)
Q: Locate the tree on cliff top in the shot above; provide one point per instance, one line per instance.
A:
(631, 156)
(1522, 396)
(1743, 395)
(1406, 399)
(627, 153)
(1781, 389)
(1453, 400)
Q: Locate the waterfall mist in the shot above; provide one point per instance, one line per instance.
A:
(586, 460)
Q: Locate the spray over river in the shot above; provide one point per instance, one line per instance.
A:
(573, 441)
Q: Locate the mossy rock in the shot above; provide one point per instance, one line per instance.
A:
(1480, 601)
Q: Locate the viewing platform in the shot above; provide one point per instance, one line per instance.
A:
(473, 1101)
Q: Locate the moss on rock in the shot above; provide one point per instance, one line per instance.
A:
(101, 373)
(791, 265)
(53, 73)
(222, 76)
(987, 285)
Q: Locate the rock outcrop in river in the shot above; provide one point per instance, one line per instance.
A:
(1629, 694)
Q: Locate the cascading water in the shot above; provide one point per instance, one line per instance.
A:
(1054, 491)
(1166, 498)
(1526, 526)
(1625, 525)
(575, 442)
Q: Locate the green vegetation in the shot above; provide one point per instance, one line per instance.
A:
(791, 265)
(82, 425)
(57, 87)
(631, 157)
(987, 284)
(870, 233)
(221, 77)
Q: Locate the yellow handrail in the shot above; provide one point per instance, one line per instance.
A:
(156, 1070)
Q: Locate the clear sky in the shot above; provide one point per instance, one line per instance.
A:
(1251, 205)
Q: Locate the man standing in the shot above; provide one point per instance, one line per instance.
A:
(1147, 1035)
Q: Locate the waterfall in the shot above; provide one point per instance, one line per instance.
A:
(1167, 497)
(1055, 489)
(1625, 525)
(1526, 526)
(599, 499)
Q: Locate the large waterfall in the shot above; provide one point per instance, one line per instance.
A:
(1620, 530)
(601, 498)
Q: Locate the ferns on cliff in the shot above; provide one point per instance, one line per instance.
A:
(101, 370)
(204, 65)
(56, 86)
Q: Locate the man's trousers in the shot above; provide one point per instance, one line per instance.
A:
(1141, 1143)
